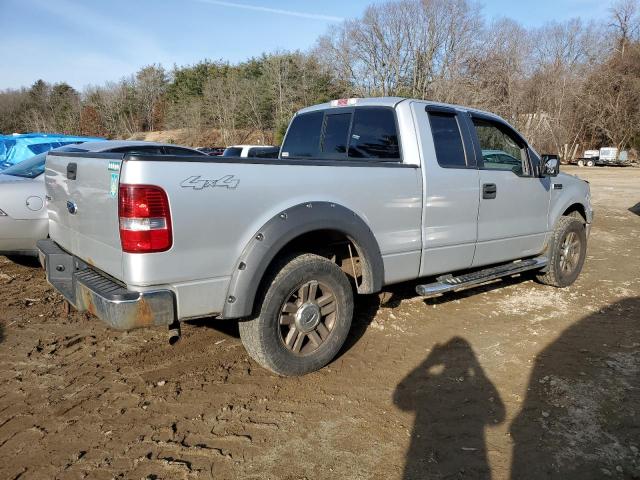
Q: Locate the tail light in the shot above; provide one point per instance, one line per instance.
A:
(145, 220)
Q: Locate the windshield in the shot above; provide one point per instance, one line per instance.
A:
(34, 166)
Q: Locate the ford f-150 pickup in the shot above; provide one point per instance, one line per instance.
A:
(365, 193)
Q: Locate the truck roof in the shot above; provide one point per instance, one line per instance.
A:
(388, 102)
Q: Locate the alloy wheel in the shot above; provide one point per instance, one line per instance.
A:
(307, 317)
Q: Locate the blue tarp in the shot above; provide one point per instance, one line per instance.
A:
(16, 148)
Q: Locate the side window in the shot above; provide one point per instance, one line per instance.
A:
(335, 136)
(374, 134)
(501, 150)
(447, 140)
(303, 137)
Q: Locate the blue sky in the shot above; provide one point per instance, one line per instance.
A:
(90, 42)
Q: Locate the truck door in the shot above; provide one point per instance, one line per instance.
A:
(514, 203)
(450, 179)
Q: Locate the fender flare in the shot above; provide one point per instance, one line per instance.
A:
(285, 227)
(559, 209)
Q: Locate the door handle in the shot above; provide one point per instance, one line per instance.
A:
(489, 191)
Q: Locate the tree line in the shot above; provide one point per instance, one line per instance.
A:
(566, 85)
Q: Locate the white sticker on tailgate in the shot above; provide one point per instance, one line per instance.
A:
(113, 189)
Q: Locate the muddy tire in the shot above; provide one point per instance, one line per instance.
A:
(590, 163)
(304, 318)
(581, 163)
(566, 252)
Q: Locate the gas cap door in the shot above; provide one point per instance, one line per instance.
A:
(35, 203)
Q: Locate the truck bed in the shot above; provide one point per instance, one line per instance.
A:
(217, 206)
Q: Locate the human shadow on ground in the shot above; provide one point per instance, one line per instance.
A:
(580, 418)
(454, 402)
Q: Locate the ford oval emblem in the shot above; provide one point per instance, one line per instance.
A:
(72, 207)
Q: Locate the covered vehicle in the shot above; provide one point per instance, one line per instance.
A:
(23, 214)
(16, 148)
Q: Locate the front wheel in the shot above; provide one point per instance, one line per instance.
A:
(304, 318)
(590, 163)
(566, 252)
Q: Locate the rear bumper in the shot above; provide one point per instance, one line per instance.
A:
(90, 290)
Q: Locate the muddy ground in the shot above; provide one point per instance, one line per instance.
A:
(511, 380)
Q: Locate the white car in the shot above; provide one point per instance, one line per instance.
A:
(252, 151)
(23, 216)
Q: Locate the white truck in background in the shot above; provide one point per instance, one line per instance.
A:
(604, 156)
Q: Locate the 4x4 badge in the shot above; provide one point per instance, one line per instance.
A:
(198, 183)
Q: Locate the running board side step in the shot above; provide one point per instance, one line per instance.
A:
(448, 283)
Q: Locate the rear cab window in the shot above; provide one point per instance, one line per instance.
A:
(335, 134)
(374, 134)
(354, 134)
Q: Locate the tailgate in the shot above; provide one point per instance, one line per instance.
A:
(82, 194)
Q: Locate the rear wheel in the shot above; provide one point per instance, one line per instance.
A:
(566, 252)
(304, 318)
(590, 163)
(581, 163)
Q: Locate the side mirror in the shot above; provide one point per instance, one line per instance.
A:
(551, 167)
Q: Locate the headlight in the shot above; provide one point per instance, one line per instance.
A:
(2, 214)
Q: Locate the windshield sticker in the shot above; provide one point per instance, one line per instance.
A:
(198, 183)
(114, 166)
(113, 189)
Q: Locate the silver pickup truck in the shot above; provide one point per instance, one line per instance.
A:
(365, 193)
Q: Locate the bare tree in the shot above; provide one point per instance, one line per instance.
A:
(221, 100)
(625, 23)
(611, 103)
(150, 86)
(13, 103)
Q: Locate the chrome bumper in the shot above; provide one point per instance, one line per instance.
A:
(89, 290)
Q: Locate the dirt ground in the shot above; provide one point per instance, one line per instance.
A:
(511, 380)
